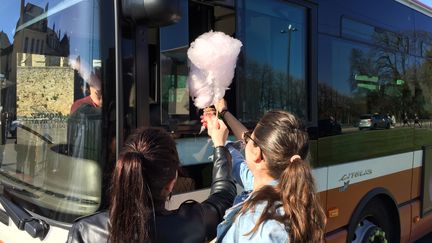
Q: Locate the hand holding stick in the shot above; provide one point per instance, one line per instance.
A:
(217, 130)
(236, 126)
(208, 115)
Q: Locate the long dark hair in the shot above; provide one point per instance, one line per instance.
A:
(147, 163)
(280, 136)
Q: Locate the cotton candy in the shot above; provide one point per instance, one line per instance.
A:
(212, 61)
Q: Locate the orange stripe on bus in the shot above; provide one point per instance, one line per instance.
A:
(398, 184)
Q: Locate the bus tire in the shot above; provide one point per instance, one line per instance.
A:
(374, 224)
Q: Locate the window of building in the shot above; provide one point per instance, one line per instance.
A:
(26, 45)
(37, 46)
(32, 45)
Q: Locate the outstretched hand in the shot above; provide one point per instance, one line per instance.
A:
(217, 130)
(208, 114)
(221, 105)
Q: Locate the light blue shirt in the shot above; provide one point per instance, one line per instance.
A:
(235, 228)
(240, 171)
(268, 231)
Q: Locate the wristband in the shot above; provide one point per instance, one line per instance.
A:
(222, 113)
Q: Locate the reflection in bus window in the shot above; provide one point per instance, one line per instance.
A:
(373, 92)
(274, 59)
(50, 152)
(172, 107)
(273, 74)
(174, 96)
(426, 49)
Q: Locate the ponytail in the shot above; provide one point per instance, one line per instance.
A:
(303, 216)
(131, 197)
(284, 145)
(300, 203)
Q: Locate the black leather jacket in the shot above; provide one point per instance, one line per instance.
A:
(192, 222)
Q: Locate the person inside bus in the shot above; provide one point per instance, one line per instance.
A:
(283, 205)
(84, 126)
(94, 99)
(142, 181)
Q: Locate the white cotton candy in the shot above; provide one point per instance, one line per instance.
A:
(212, 58)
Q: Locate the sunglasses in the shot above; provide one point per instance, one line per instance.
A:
(247, 136)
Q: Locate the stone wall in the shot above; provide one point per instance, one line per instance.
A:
(44, 90)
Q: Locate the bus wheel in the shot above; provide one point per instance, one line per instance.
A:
(374, 224)
(369, 232)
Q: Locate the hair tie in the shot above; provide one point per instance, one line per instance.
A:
(294, 157)
(136, 153)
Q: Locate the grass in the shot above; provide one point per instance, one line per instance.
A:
(359, 145)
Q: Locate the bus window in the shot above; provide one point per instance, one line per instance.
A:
(370, 104)
(272, 76)
(51, 106)
(274, 59)
(171, 107)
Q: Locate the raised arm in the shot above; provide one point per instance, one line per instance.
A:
(223, 188)
(241, 173)
(236, 126)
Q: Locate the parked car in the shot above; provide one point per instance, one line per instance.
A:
(374, 121)
(328, 127)
(325, 127)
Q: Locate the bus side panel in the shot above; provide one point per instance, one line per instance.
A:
(322, 196)
(423, 226)
(398, 184)
(339, 237)
(405, 219)
(416, 183)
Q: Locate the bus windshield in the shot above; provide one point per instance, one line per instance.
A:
(51, 106)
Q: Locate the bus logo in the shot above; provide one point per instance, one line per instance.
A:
(355, 174)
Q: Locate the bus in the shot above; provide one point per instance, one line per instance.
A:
(358, 74)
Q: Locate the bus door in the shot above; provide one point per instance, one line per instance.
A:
(65, 107)
(55, 86)
(275, 70)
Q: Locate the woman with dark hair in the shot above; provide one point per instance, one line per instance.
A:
(283, 206)
(142, 181)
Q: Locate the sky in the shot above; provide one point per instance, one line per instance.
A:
(9, 10)
(76, 18)
(426, 3)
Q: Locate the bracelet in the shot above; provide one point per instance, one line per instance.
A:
(222, 113)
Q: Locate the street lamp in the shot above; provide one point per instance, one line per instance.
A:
(289, 32)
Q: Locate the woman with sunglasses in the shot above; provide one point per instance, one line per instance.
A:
(142, 181)
(283, 206)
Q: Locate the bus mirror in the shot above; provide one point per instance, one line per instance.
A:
(152, 13)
